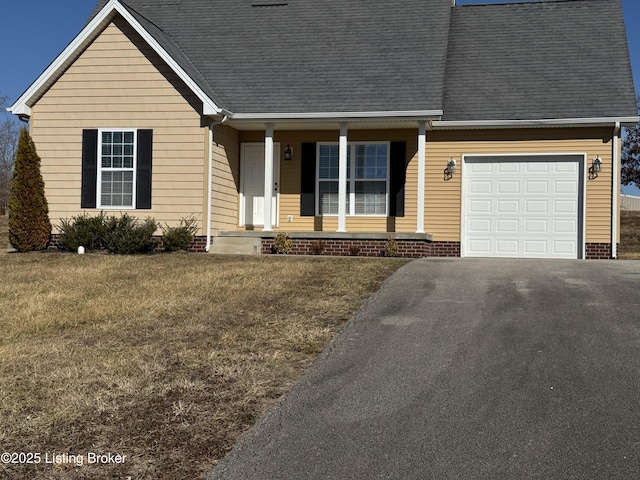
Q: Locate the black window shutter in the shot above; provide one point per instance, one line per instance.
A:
(143, 169)
(308, 180)
(398, 172)
(89, 169)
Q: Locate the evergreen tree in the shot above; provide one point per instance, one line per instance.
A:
(29, 225)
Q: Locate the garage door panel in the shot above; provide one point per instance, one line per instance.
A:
(480, 225)
(479, 168)
(507, 225)
(480, 246)
(509, 167)
(565, 188)
(522, 206)
(507, 246)
(565, 226)
(566, 167)
(507, 206)
(540, 226)
(536, 206)
(481, 187)
(536, 167)
(536, 187)
(536, 247)
(508, 187)
(479, 206)
(564, 248)
(565, 207)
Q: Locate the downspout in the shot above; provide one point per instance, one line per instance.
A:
(210, 180)
(615, 180)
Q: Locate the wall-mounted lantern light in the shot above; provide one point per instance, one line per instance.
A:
(450, 170)
(288, 153)
(595, 168)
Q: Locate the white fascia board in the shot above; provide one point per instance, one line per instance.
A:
(86, 36)
(337, 116)
(549, 122)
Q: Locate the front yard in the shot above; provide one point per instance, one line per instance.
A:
(163, 359)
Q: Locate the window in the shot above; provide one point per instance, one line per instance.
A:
(117, 168)
(367, 179)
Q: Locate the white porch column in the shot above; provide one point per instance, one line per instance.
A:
(268, 177)
(422, 139)
(342, 179)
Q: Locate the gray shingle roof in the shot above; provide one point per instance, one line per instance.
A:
(548, 59)
(560, 59)
(310, 55)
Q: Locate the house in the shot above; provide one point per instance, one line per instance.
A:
(461, 130)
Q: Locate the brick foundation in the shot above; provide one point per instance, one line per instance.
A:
(444, 249)
(598, 251)
(366, 247)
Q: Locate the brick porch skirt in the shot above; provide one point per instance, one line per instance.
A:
(366, 247)
(363, 247)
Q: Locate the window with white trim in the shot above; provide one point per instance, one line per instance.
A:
(117, 168)
(367, 179)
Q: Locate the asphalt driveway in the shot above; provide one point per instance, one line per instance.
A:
(468, 369)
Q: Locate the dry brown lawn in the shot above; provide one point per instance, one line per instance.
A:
(166, 359)
(4, 233)
(630, 235)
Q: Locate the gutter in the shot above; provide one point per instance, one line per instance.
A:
(615, 185)
(210, 180)
(545, 122)
(337, 116)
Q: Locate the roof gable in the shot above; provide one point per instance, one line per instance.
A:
(94, 27)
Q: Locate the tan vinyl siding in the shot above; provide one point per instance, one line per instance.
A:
(442, 204)
(226, 179)
(119, 82)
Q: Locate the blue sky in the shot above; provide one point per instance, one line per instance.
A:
(34, 32)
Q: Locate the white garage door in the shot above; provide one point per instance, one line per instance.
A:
(522, 206)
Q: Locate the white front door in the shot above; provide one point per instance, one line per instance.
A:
(252, 191)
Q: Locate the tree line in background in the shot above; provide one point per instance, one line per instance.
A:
(631, 154)
(9, 132)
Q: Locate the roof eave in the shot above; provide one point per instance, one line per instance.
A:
(22, 106)
(535, 123)
(338, 116)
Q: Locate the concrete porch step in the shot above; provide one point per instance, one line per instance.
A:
(230, 245)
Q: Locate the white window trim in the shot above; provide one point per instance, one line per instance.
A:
(100, 170)
(352, 180)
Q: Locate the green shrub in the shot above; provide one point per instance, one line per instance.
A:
(29, 225)
(83, 230)
(180, 237)
(126, 235)
(282, 243)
